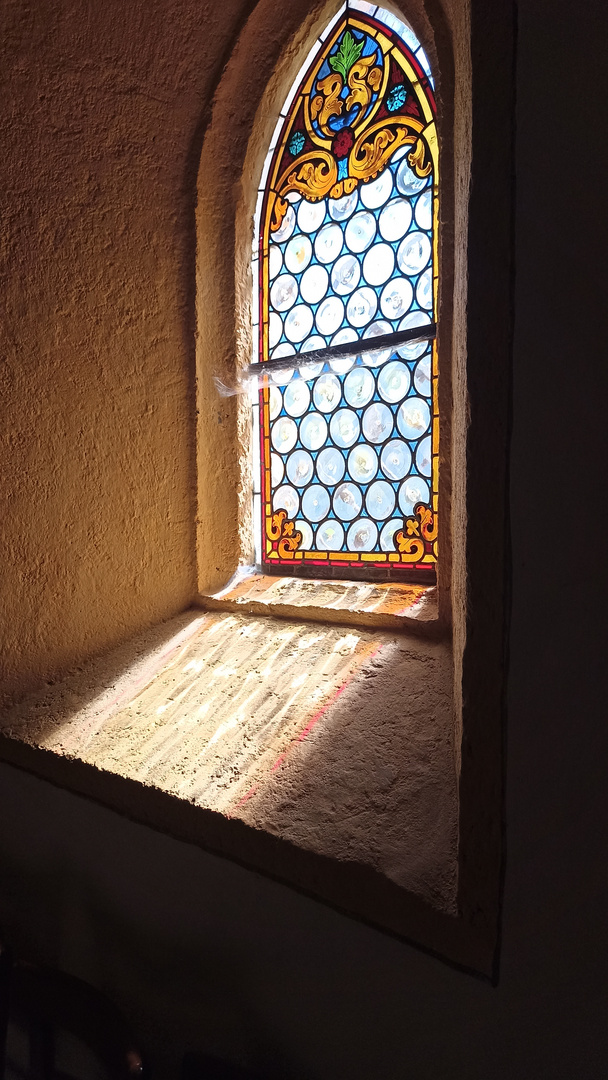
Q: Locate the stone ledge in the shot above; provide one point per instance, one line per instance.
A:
(319, 755)
(388, 605)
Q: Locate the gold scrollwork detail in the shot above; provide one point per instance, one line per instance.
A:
(362, 82)
(422, 526)
(417, 159)
(280, 528)
(376, 146)
(279, 209)
(314, 176)
(327, 103)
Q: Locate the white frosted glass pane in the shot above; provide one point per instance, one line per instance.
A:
(330, 466)
(284, 435)
(298, 323)
(396, 298)
(344, 428)
(330, 315)
(296, 398)
(361, 307)
(300, 468)
(345, 274)
(413, 418)
(393, 382)
(362, 535)
(412, 491)
(311, 215)
(424, 210)
(286, 498)
(396, 459)
(360, 231)
(359, 387)
(378, 191)
(414, 253)
(298, 254)
(395, 219)
(284, 292)
(378, 264)
(313, 431)
(314, 283)
(347, 501)
(377, 422)
(380, 500)
(363, 463)
(328, 243)
(330, 536)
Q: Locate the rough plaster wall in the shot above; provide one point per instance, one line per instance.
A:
(101, 107)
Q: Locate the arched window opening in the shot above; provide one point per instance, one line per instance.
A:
(345, 413)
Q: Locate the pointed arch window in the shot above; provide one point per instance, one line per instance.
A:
(346, 425)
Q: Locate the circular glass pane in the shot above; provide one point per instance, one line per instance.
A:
(307, 534)
(284, 434)
(313, 285)
(343, 363)
(313, 431)
(414, 253)
(362, 535)
(378, 264)
(296, 398)
(345, 275)
(315, 503)
(311, 215)
(396, 459)
(377, 356)
(387, 541)
(283, 350)
(407, 181)
(424, 210)
(341, 209)
(395, 219)
(330, 314)
(277, 470)
(298, 253)
(377, 422)
(330, 535)
(363, 463)
(275, 261)
(424, 457)
(275, 328)
(361, 307)
(376, 192)
(285, 498)
(359, 386)
(344, 428)
(300, 468)
(380, 500)
(393, 382)
(298, 323)
(330, 466)
(275, 402)
(360, 231)
(284, 292)
(281, 376)
(413, 349)
(327, 393)
(328, 243)
(413, 418)
(348, 501)
(288, 224)
(412, 491)
(422, 376)
(424, 289)
(396, 298)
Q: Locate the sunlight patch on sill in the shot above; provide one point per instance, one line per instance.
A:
(389, 605)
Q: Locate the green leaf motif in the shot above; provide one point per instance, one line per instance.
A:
(346, 55)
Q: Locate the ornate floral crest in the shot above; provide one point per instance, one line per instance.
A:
(358, 106)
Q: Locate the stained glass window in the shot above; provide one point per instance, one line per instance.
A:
(345, 292)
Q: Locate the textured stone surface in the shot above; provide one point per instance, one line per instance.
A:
(335, 739)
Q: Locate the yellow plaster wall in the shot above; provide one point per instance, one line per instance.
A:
(102, 106)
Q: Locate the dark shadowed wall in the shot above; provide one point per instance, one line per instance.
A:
(201, 953)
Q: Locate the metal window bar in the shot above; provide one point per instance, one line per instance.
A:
(349, 348)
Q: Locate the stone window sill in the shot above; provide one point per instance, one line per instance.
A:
(389, 605)
(317, 753)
